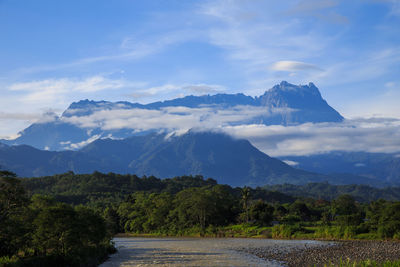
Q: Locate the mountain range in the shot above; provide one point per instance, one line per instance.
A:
(102, 136)
(230, 161)
(85, 121)
(380, 166)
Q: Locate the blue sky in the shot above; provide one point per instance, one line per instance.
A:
(56, 52)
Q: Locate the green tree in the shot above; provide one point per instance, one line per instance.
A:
(261, 213)
(112, 220)
(14, 225)
(300, 209)
(347, 212)
(56, 230)
(389, 222)
(245, 193)
(194, 206)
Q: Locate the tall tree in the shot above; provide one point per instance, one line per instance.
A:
(245, 192)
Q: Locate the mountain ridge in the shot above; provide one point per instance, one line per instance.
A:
(383, 166)
(284, 104)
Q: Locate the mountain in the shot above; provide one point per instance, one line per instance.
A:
(305, 99)
(380, 166)
(85, 121)
(229, 161)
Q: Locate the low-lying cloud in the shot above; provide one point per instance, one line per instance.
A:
(169, 118)
(371, 135)
(374, 135)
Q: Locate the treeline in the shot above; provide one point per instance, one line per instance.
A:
(213, 210)
(39, 231)
(99, 190)
(362, 193)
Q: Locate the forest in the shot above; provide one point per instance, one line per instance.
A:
(71, 218)
(39, 231)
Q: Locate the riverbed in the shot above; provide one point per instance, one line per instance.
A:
(202, 251)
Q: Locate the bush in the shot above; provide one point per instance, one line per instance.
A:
(286, 231)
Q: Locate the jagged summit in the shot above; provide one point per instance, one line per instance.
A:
(296, 93)
(289, 95)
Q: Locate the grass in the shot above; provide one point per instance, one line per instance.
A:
(282, 231)
(366, 263)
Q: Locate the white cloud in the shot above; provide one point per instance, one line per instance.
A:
(373, 135)
(63, 85)
(56, 93)
(359, 165)
(171, 118)
(168, 91)
(19, 116)
(291, 163)
(201, 89)
(321, 9)
(75, 146)
(293, 66)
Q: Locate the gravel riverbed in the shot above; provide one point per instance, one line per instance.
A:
(379, 251)
(245, 252)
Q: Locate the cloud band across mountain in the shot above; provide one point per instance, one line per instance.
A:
(370, 135)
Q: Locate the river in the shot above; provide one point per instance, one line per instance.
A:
(198, 251)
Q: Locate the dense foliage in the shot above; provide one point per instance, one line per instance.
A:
(362, 193)
(40, 231)
(211, 210)
(100, 190)
(193, 205)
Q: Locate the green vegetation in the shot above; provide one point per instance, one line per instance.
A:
(216, 210)
(194, 206)
(100, 190)
(40, 231)
(362, 193)
(366, 263)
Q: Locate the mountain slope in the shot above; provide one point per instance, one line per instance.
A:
(231, 161)
(379, 166)
(219, 156)
(85, 121)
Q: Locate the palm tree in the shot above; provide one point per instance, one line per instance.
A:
(245, 199)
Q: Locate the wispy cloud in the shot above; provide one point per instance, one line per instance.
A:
(394, 6)
(90, 84)
(57, 91)
(320, 9)
(18, 116)
(168, 91)
(130, 49)
(266, 42)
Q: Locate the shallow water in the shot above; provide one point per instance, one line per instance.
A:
(197, 251)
